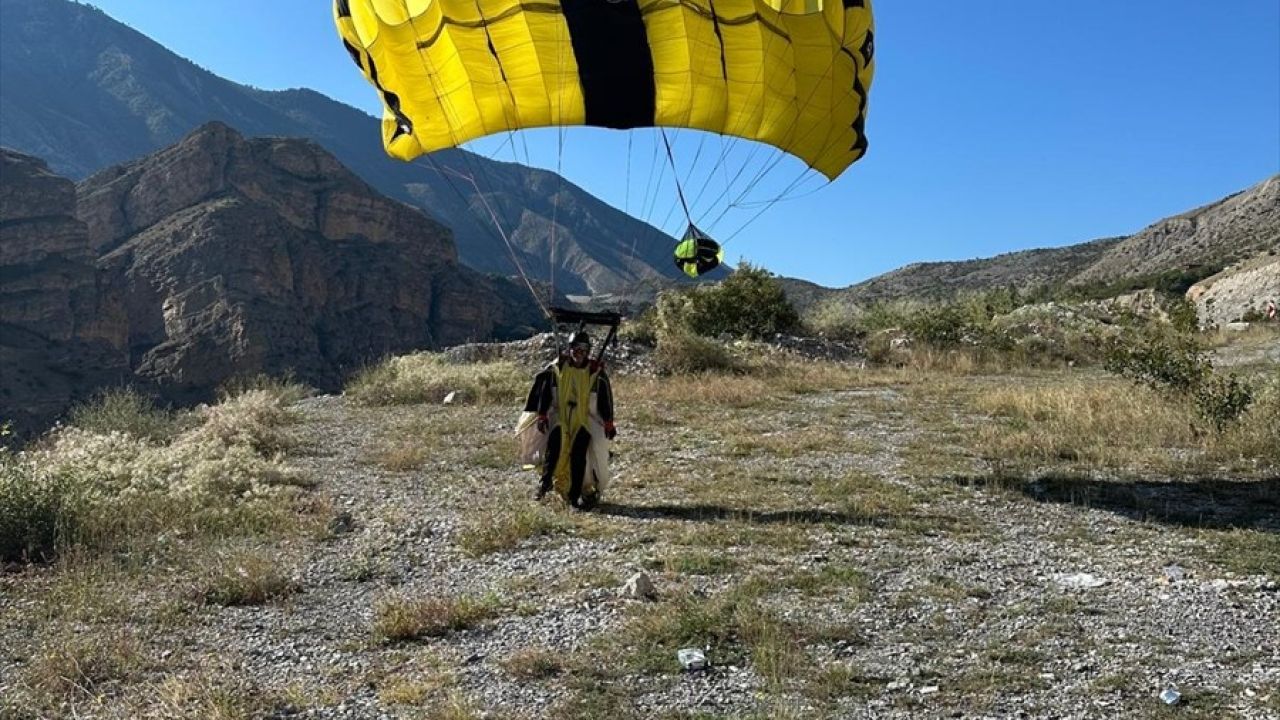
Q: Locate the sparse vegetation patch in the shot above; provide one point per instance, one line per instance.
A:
(429, 378)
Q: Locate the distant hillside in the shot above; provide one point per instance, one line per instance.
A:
(1223, 236)
(1027, 268)
(1216, 235)
(83, 92)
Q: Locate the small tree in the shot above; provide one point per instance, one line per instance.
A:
(749, 303)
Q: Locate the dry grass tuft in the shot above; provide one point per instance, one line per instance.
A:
(107, 490)
(699, 562)
(78, 666)
(127, 411)
(210, 694)
(536, 663)
(734, 625)
(490, 531)
(246, 577)
(397, 616)
(429, 378)
(1093, 422)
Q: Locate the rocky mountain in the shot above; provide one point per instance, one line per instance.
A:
(63, 333)
(1231, 243)
(1026, 268)
(84, 92)
(1220, 234)
(222, 257)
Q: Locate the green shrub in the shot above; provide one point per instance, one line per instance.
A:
(749, 303)
(1178, 365)
(941, 327)
(1162, 360)
(1222, 400)
(1183, 316)
(38, 510)
(836, 318)
(125, 410)
(642, 328)
(1257, 433)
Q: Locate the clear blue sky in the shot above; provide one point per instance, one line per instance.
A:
(994, 126)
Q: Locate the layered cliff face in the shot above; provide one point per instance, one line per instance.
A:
(221, 257)
(62, 331)
(238, 256)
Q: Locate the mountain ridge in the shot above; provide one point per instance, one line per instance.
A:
(1211, 241)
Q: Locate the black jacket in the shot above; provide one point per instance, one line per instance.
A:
(543, 390)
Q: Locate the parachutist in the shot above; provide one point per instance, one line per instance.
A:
(572, 399)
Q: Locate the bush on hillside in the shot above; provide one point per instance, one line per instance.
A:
(1256, 434)
(681, 351)
(38, 510)
(642, 328)
(750, 303)
(1167, 361)
(96, 488)
(285, 389)
(836, 318)
(1177, 364)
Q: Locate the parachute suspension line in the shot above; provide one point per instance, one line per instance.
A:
(447, 106)
(555, 199)
(739, 201)
(652, 189)
(778, 155)
(676, 175)
(496, 223)
(555, 205)
(693, 165)
(626, 195)
(706, 182)
(734, 134)
(626, 200)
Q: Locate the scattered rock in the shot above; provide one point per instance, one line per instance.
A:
(1080, 581)
(692, 659)
(342, 523)
(639, 587)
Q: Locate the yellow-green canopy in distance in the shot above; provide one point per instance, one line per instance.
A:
(791, 73)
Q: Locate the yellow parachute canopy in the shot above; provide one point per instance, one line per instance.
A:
(791, 73)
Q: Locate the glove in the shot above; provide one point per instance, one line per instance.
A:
(610, 431)
(542, 423)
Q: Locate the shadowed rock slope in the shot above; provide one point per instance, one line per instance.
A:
(216, 258)
(237, 256)
(62, 333)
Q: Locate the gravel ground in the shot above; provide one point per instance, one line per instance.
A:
(974, 602)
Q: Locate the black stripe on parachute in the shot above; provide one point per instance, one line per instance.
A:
(615, 67)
